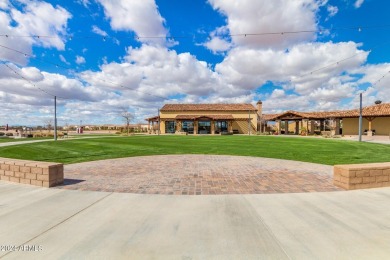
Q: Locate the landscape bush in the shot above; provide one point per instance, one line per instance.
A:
(9, 134)
(2, 133)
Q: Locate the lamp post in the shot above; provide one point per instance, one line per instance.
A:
(360, 117)
(55, 118)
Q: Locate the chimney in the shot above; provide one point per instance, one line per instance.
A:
(259, 106)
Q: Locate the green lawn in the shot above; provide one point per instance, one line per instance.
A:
(7, 140)
(317, 150)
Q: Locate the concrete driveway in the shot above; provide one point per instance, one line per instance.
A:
(77, 224)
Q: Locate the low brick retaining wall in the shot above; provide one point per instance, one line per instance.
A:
(45, 174)
(362, 176)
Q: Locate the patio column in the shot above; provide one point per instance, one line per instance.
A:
(152, 127)
(195, 127)
(230, 126)
(212, 127)
(297, 127)
(322, 125)
(279, 126)
(286, 127)
(337, 129)
(312, 126)
(370, 119)
(178, 125)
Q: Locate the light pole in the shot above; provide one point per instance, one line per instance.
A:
(55, 118)
(360, 117)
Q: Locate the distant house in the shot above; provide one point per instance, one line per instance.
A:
(206, 118)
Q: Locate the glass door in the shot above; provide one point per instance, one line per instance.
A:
(204, 127)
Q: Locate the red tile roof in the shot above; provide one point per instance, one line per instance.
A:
(154, 118)
(208, 107)
(269, 117)
(369, 111)
(196, 117)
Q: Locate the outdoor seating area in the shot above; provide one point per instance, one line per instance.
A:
(366, 132)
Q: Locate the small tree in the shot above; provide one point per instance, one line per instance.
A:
(127, 117)
(49, 123)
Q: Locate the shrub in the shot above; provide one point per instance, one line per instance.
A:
(9, 134)
(2, 133)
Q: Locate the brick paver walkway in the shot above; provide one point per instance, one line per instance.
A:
(198, 175)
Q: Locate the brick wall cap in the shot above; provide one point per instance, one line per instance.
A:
(364, 166)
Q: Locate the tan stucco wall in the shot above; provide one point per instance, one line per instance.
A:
(242, 126)
(162, 127)
(381, 125)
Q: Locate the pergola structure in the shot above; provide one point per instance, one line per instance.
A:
(305, 120)
(153, 124)
(349, 119)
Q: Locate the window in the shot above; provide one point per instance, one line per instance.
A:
(170, 127)
(188, 126)
(221, 126)
(204, 127)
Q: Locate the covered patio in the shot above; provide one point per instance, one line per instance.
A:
(293, 122)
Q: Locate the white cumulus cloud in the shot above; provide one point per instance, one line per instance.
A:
(98, 31)
(36, 18)
(80, 59)
(217, 44)
(142, 17)
(358, 3)
(332, 10)
(253, 16)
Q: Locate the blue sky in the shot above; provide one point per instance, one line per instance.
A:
(102, 57)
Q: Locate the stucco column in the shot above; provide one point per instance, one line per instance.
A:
(195, 127)
(312, 126)
(337, 128)
(212, 127)
(279, 125)
(369, 132)
(162, 127)
(297, 127)
(230, 126)
(322, 125)
(178, 125)
(286, 127)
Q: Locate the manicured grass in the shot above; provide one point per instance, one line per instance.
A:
(7, 140)
(316, 150)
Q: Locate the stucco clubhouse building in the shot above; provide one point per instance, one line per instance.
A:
(248, 119)
(206, 119)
